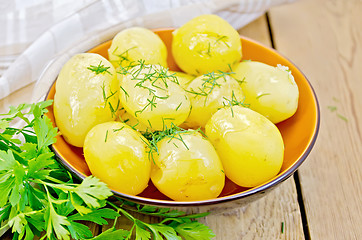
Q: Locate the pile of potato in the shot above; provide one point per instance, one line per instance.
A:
(137, 120)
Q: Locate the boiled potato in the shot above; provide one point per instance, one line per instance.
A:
(184, 79)
(84, 93)
(208, 93)
(250, 147)
(153, 97)
(271, 91)
(187, 168)
(136, 43)
(205, 44)
(130, 120)
(117, 154)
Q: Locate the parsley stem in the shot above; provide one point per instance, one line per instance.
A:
(54, 180)
(124, 212)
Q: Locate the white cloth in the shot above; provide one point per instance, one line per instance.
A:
(47, 32)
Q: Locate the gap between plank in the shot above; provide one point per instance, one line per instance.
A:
(301, 206)
(270, 30)
(296, 174)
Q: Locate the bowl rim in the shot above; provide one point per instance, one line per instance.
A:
(258, 189)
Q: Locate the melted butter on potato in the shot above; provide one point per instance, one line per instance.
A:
(83, 96)
(153, 96)
(208, 93)
(271, 91)
(117, 154)
(249, 145)
(136, 43)
(205, 44)
(187, 170)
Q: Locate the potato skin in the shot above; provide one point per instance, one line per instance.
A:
(144, 84)
(79, 102)
(205, 44)
(250, 147)
(136, 43)
(221, 89)
(189, 174)
(271, 91)
(116, 154)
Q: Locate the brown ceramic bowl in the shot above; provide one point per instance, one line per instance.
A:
(299, 134)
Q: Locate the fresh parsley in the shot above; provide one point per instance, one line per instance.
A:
(40, 198)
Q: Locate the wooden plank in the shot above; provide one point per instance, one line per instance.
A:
(324, 39)
(263, 218)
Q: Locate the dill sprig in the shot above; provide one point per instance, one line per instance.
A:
(150, 78)
(123, 57)
(234, 102)
(171, 132)
(210, 81)
(223, 39)
(106, 98)
(262, 95)
(99, 69)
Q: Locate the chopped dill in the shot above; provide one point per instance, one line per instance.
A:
(99, 69)
(151, 78)
(234, 102)
(332, 108)
(178, 106)
(223, 39)
(124, 56)
(149, 123)
(105, 139)
(261, 95)
(125, 92)
(172, 132)
(210, 81)
(342, 117)
(106, 100)
(118, 129)
(209, 50)
(134, 126)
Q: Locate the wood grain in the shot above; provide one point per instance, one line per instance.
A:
(324, 39)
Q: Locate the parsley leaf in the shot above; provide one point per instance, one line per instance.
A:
(38, 196)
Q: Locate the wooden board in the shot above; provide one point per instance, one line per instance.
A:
(324, 38)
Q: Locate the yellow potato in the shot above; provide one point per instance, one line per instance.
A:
(271, 91)
(136, 43)
(130, 120)
(184, 79)
(153, 97)
(187, 170)
(208, 93)
(116, 154)
(205, 44)
(250, 147)
(85, 89)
